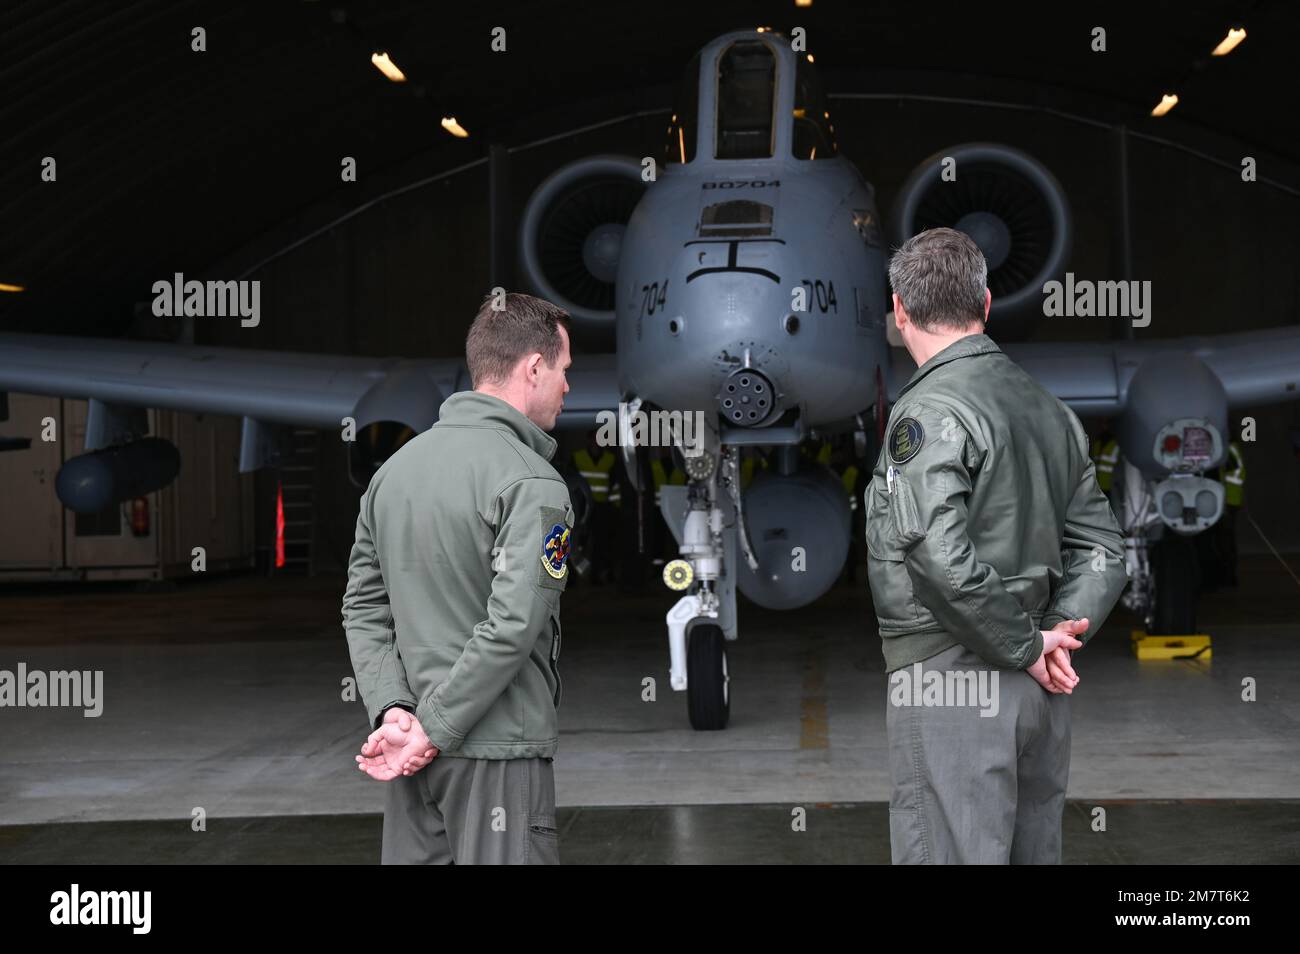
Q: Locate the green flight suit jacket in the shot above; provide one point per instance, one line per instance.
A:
(452, 606)
(985, 523)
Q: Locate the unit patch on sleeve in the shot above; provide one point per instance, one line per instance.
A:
(555, 548)
(905, 440)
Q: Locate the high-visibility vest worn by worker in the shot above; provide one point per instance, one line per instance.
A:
(1234, 477)
(598, 474)
(661, 477)
(1105, 458)
(849, 478)
(850, 481)
(747, 467)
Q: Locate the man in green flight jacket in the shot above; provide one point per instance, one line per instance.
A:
(992, 554)
(452, 608)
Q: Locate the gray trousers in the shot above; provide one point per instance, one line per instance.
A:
(472, 811)
(972, 789)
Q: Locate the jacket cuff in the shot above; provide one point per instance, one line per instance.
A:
(1050, 619)
(1035, 650)
(378, 720)
(442, 736)
(390, 695)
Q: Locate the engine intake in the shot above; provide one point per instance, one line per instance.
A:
(571, 237)
(1014, 209)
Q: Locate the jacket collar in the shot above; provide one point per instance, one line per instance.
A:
(476, 409)
(961, 348)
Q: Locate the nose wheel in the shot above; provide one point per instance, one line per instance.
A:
(708, 698)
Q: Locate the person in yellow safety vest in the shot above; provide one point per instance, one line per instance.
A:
(598, 473)
(825, 455)
(596, 465)
(850, 480)
(664, 545)
(1105, 458)
(747, 467)
(661, 476)
(834, 460)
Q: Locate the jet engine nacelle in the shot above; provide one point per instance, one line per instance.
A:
(394, 410)
(94, 482)
(1014, 209)
(1175, 417)
(571, 238)
(799, 529)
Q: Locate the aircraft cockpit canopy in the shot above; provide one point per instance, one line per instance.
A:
(746, 92)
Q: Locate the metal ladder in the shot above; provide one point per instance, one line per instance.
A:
(298, 484)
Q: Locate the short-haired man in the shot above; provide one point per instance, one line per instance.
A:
(992, 554)
(452, 609)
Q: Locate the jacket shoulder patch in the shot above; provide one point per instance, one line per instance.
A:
(905, 440)
(555, 548)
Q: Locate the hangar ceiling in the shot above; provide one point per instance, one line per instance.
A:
(169, 158)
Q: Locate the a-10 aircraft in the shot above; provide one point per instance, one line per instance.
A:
(746, 281)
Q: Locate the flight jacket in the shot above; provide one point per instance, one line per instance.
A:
(984, 521)
(452, 607)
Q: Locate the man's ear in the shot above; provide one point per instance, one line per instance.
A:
(893, 331)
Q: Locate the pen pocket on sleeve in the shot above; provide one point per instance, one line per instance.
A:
(904, 519)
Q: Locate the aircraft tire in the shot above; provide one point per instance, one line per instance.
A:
(708, 695)
(1176, 573)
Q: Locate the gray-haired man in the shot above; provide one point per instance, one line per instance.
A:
(992, 554)
(452, 610)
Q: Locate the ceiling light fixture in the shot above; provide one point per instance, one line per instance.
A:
(1229, 42)
(387, 67)
(1167, 102)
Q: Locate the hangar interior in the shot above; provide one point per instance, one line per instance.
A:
(226, 690)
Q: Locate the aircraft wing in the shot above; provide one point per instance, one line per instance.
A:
(273, 387)
(1256, 367)
(318, 390)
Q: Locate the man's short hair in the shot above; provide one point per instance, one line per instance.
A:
(940, 275)
(504, 331)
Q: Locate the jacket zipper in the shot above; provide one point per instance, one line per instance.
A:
(555, 660)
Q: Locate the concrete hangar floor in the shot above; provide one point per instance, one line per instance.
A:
(225, 695)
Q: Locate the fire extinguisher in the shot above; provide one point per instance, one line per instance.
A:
(140, 517)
